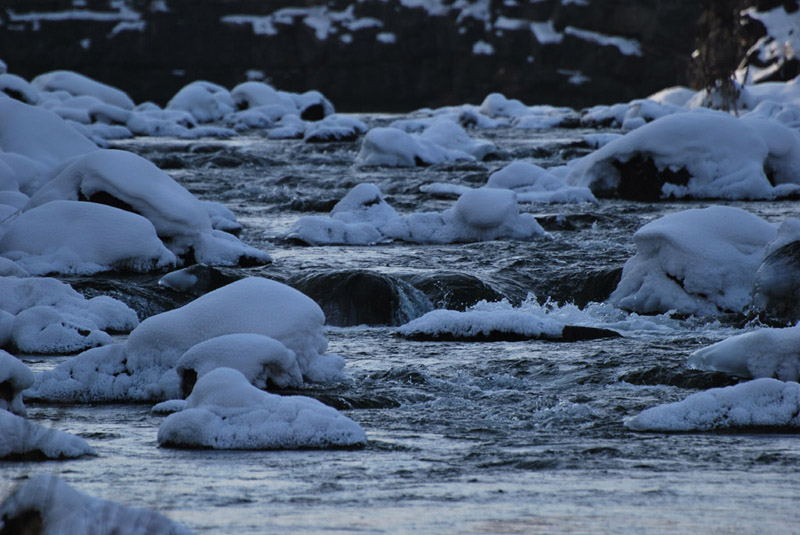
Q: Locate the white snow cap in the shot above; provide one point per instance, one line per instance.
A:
(699, 261)
(22, 439)
(144, 368)
(205, 101)
(225, 411)
(251, 305)
(758, 403)
(78, 238)
(259, 358)
(442, 141)
(77, 84)
(480, 321)
(15, 377)
(761, 353)
(125, 179)
(535, 184)
(65, 510)
(723, 156)
(47, 316)
(38, 134)
(364, 218)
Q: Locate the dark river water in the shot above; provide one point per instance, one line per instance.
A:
(504, 437)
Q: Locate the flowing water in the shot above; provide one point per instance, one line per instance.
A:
(504, 437)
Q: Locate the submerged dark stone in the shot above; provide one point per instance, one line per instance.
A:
(454, 291)
(776, 292)
(679, 377)
(362, 297)
(641, 180)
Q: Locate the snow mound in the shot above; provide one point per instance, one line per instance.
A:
(75, 238)
(225, 411)
(335, 128)
(61, 509)
(79, 85)
(125, 180)
(48, 316)
(38, 134)
(15, 377)
(144, 368)
(441, 142)
(204, 101)
(762, 353)
(364, 218)
(533, 184)
(689, 155)
(259, 358)
(758, 403)
(22, 439)
(699, 261)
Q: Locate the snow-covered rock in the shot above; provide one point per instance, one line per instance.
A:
(22, 439)
(205, 101)
(58, 509)
(442, 141)
(699, 261)
(261, 359)
(15, 377)
(533, 184)
(18, 88)
(335, 128)
(128, 181)
(48, 316)
(75, 238)
(224, 411)
(776, 291)
(77, 84)
(497, 105)
(761, 353)
(495, 321)
(144, 368)
(756, 404)
(364, 218)
(688, 155)
(38, 134)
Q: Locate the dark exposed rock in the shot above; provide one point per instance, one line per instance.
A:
(776, 292)
(362, 297)
(145, 295)
(641, 180)
(454, 291)
(583, 287)
(25, 523)
(679, 377)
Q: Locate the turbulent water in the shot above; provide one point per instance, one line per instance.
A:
(505, 437)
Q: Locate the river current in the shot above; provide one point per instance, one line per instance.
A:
(464, 438)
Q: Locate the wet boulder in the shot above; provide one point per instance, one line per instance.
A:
(363, 297)
(776, 292)
(454, 291)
